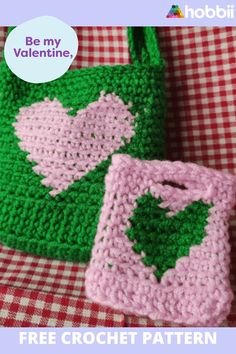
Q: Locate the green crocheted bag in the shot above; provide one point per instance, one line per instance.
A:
(56, 143)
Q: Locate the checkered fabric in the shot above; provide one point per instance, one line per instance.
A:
(28, 308)
(101, 46)
(2, 39)
(39, 292)
(201, 127)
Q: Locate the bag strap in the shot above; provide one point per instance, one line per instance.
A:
(143, 45)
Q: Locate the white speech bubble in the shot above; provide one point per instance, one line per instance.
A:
(41, 50)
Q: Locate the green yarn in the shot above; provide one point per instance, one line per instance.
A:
(165, 239)
(143, 45)
(64, 227)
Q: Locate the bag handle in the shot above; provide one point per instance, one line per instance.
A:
(143, 45)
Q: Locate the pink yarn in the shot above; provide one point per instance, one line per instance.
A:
(197, 291)
(65, 148)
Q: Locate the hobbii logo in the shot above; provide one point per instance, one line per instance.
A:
(209, 12)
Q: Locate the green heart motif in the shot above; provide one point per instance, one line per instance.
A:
(165, 239)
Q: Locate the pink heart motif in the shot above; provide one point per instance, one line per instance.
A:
(65, 148)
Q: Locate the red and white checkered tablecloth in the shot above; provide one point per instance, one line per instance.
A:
(201, 127)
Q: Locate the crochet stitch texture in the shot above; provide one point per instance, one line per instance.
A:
(161, 248)
(56, 143)
(64, 148)
(163, 240)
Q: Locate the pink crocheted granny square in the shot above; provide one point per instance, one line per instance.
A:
(161, 248)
